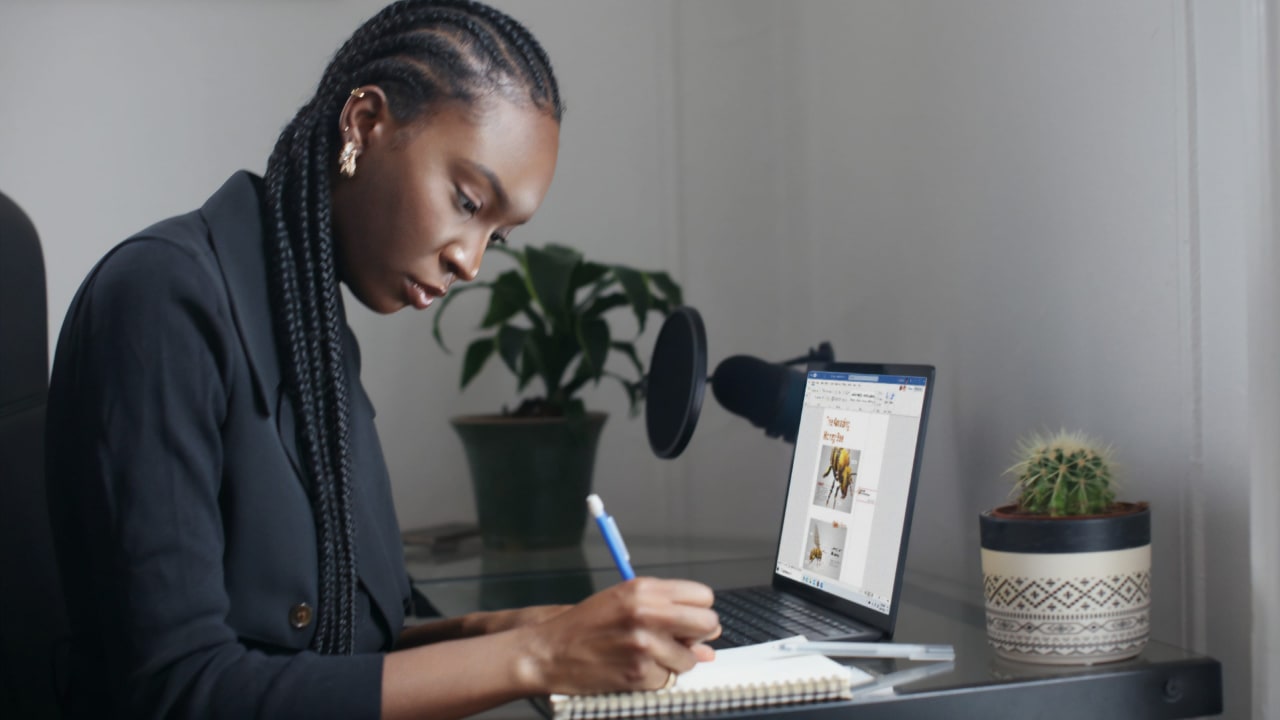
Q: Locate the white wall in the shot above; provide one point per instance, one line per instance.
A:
(1225, 237)
(1062, 205)
(1056, 203)
(1264, 358)
(127, 112)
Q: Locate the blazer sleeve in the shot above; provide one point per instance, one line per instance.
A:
(151, 341)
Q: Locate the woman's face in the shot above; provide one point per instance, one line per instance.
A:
(429, 197)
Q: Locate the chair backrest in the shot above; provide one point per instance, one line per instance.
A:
(32, 611)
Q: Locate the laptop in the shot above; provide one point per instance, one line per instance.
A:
(842, 546)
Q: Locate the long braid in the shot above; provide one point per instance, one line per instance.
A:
(422, 53)
(336, 576)
(295, 310)
(336, 396)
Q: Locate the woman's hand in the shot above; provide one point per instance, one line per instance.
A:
(503, 620)
(475, 624)
(628, 637)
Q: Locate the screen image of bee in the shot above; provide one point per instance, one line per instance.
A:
(824, 549)
(834, 486)
(815, 549)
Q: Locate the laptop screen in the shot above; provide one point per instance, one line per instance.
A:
(851, 484)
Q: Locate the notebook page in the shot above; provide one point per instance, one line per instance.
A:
(749, 676)
(764, 662)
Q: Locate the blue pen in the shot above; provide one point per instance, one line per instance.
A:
(612, 537)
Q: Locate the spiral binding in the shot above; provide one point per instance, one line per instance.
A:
(706, 699)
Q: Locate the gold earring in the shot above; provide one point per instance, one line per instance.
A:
(347, 160)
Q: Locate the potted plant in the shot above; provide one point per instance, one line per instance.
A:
(1066, 568)
(548, 319)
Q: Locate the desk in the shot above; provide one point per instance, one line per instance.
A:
(1164, 682)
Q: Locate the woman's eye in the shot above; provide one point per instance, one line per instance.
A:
(468, 205)
(496, 239)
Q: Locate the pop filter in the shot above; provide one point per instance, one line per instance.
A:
(769, 395)
(676, 382)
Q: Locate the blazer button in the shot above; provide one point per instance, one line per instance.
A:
(300, 616)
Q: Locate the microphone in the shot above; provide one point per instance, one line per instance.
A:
(770, 396)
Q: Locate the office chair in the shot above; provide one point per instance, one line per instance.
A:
(32, 611)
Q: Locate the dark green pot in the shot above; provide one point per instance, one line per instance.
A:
(531, 477)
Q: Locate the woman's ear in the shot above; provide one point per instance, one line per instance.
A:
(365, 118)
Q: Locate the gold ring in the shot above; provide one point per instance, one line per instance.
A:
(671, 680)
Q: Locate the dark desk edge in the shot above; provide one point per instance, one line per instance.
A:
(1186, 689)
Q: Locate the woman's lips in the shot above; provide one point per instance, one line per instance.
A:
(419, 295)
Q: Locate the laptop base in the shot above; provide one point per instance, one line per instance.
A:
(750, 615)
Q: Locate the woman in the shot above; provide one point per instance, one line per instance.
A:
(219, 497)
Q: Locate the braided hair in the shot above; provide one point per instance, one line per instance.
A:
(422, 53)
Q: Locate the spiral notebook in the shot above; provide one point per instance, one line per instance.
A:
(743, 677)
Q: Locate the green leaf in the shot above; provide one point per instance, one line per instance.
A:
(635, 392)
(444, 302)
(538, 325)
(564, 300)
(593, 340)
(581, 375)
(529, 366)
(520, 255)
(586, 273)
(637, 290)
(510, 296)
(554, 353)
(603, 283)
(477, 353)
(668, 287)
(605, 304)
(629, 350)
(550, 271)
(511, 345)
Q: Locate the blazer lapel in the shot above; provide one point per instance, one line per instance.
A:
(234, 216)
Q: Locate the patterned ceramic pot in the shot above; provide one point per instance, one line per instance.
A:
(1067, 591)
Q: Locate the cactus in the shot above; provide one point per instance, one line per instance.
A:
(1063, 474)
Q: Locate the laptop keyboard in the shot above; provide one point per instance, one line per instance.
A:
(759, 614)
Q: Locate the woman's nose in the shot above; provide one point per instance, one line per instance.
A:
(464, 262)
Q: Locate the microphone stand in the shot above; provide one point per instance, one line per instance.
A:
(823, 353)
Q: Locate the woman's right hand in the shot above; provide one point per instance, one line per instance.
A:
(628, 637)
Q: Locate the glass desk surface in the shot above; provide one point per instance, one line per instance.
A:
(468, 559)
(1164, 681)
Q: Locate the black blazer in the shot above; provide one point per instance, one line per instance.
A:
(184, 532)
